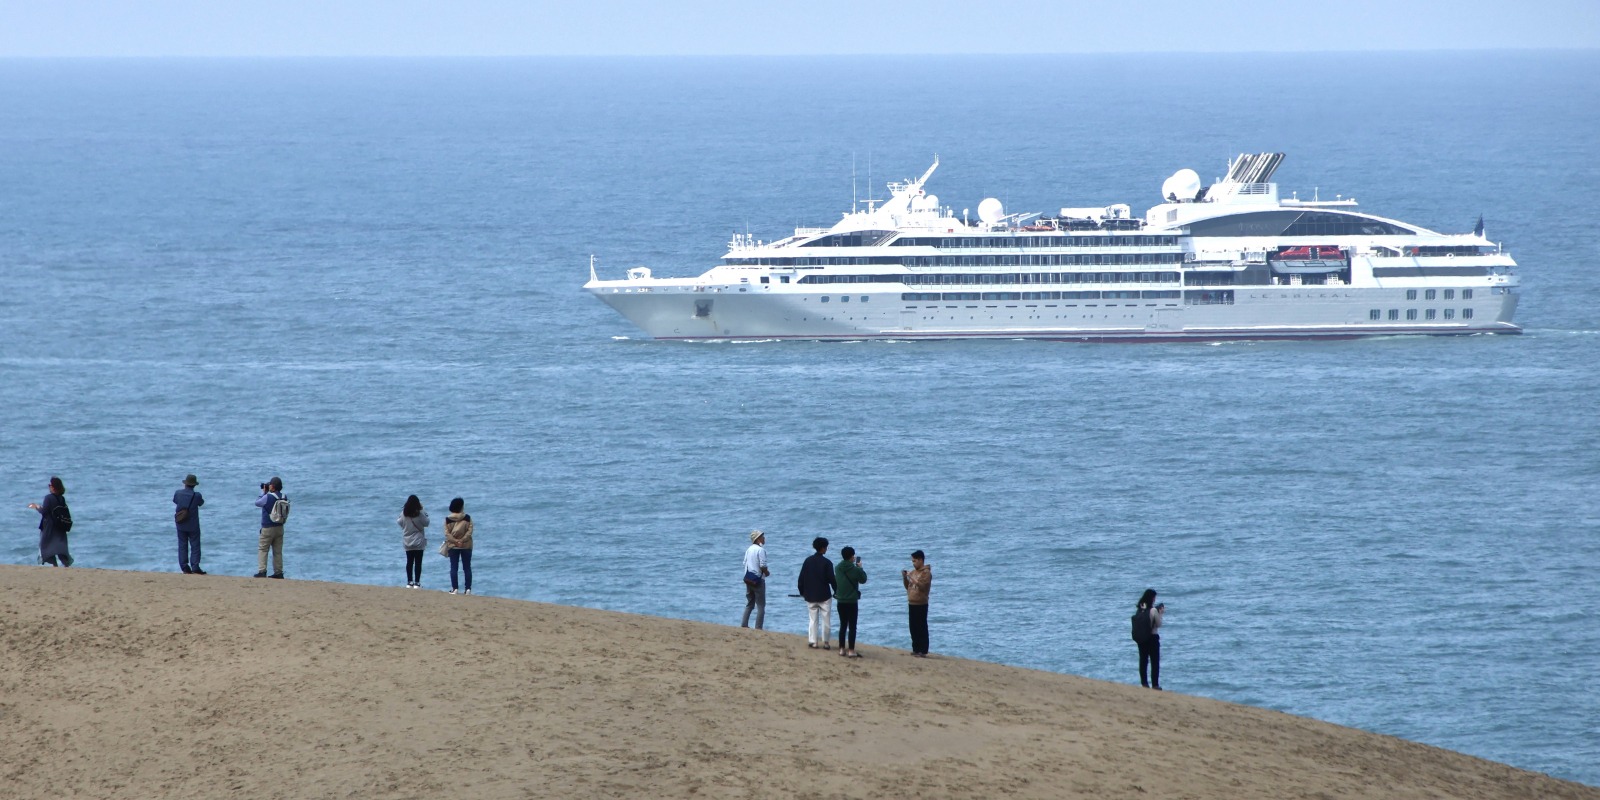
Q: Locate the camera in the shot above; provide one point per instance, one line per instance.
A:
(265, 488)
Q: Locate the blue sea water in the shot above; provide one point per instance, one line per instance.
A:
(363, 276)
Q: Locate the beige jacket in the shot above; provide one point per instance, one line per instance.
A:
(458, 531)
(917, 582)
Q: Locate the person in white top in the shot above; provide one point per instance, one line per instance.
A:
(755, 580)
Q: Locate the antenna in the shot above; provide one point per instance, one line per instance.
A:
(855, 197)
(871, 191)
(592, 276)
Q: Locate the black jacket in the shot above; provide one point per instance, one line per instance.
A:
(816, 579)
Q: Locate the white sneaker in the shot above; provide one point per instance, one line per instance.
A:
(450, 591)
(469, 591)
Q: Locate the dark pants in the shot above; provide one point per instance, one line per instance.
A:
(919, 628)
(413, 567)
(1150, 657)
(463, 558)
(755, 598)
(188, 550)
(847, 624)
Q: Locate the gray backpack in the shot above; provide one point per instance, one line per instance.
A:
(280, 510)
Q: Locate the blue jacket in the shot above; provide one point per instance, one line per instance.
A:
(816, 579)
(180, 499)
(264, 502)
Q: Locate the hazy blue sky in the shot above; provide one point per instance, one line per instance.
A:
(642, 27)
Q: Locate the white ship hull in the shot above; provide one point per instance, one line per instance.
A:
(1232, 261)
(1263, 313)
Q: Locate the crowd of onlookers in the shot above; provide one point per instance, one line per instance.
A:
(55, 522)
(823, 584)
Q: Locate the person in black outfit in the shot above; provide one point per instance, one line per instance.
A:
(54, 520)
(1146, 621)
(817, 585)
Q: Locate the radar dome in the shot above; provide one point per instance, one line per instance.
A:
(990, 210)
(931, 201)
(1184, 185)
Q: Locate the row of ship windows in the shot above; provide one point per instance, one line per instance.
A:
(957, 278)
(1192, 297)
(1428, 313)
(1429, 294)
(1040, 241)
(966, 261)
(1144, 295)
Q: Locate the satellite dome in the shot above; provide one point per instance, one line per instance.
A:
(931, 201)
(1183, 185)
(991, 211)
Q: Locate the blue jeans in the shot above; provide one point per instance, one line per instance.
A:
(188, 550)
(463, 558)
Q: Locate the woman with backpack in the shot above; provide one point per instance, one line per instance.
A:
(54, 522)
(413, 519)
(1146, 621)
(458, 544)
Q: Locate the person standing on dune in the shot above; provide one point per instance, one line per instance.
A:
(918, 580)
(186, 515)
(755, 580)
(54, 522)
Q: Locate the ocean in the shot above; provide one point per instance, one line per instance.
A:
(363, 276)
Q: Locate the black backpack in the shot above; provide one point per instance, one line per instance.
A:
(1141, 625)
(61, 517)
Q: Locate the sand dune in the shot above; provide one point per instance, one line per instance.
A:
(144, 685)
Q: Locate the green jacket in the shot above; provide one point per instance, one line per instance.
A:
(848, 575)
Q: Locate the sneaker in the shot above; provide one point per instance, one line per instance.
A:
(450, 591)
(186, 570)
(199, 571)
(261, 574)
(469, 591)
(277, 575)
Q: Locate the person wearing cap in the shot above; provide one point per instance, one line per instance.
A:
(755, 580)
(186, 513)
(271, 532)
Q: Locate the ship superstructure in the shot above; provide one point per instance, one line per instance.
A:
(1232, 260)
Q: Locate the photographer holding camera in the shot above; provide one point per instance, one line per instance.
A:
(274, 511)
(1146, 621)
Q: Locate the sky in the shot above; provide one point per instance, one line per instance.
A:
(256, 28)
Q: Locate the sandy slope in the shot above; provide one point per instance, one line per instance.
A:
(142, 685)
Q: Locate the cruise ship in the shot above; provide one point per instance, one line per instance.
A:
(1234, 260)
